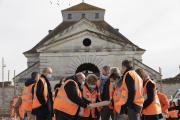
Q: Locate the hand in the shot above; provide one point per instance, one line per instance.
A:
(90, 106)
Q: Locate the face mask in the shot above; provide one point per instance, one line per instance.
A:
(114, 84)
(104, 77)
(83, 82)
(49, 76)
(92, 86)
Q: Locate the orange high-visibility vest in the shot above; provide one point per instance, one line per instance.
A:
(173, 114)
(155, 107)
(118, 100)
(22, 112)
(13, 113)
(63, 103)
(36, 102)
(27, 98)
(92, 98)
(26, 105)
(111, 92)
(139, 99)
(164, 101)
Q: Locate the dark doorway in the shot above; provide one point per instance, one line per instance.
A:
(88, 68)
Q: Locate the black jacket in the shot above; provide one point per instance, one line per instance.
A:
(150, 95)
(46, 108)
(105, 91)
(71, 91)
(30, 82)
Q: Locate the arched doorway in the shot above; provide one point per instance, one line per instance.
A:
(88, 68)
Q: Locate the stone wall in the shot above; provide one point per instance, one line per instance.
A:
(6, 95)
(170, 89)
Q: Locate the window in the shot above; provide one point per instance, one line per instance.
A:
(69, 16)
(86, 42)
(97, 15)
(83, 15)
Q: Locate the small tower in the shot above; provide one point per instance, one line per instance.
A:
(83, 10)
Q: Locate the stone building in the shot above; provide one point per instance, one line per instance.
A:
(82, 42)
(171, 85)
(6, 95)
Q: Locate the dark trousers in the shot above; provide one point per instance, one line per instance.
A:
(133, 115)
(150, 117)
(42, 118)
(106, 113)
(62, 116)
(89, 118)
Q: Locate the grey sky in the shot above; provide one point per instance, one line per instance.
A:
(151, 24)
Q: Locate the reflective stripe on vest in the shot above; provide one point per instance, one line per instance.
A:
(119, 99)
(63, 103)
(155, 107)
(91, 96)
(27, 98)
(36, 102)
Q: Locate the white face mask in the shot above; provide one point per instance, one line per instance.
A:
(83, 82)
(104, 77)
(49, 76)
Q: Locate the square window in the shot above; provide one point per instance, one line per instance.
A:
(83, 15)
(97, 15)
(69, 16)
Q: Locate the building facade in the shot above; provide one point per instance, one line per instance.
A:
(83, 42)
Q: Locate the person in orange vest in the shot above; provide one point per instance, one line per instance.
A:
(69, 99)
(132, 91)
(106, 91)
(42, 106)
(173, 115)
(151, 107)
(91, 93)
(13, 113)
(164, 101)
(26, 107)
(116, 79)
(178, 108)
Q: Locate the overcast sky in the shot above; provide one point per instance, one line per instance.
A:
(151, 24)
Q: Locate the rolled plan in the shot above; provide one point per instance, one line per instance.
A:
(99, 104)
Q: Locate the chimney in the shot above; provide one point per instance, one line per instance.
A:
(116, 29)
(50, 31)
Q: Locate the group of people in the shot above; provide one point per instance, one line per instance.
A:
(118, 94)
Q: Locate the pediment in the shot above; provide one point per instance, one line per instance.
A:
(75, 44)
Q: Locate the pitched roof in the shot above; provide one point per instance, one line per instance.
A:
(83, 7)
(54, 32)
(173, 80)
(102, 25)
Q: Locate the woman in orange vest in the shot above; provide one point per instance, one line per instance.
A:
(151, 107)
(91, 93)
(115, 78)
(68, 101)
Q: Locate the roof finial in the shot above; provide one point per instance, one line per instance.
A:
(83, 1)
